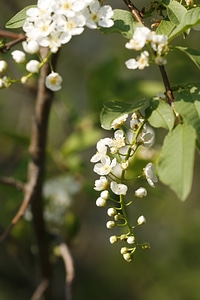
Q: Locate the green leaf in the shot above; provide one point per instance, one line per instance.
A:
(124, 23)
(190, 19)
(165, 27)
(160, 114)
(194, 55)
(18, 20)
(175, 12)
(187, 104)
(175, 164)
(114, 109)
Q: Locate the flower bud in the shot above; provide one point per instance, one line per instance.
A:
(127, 257)
(33, 66)
(105, 195)
(101, 202)
(124, 250)
(111, 211)
(3, 66)
(131, 239)
(141, 192)
(141, 220)
(110, 224)
(18, 56)
(113, 239)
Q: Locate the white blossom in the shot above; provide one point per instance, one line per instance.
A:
(105, 194)
(139, 38)
(118, 188)
(111, 212)
(53, 81)
(105, 166)
(150, 174)
(110, 224)
(131, 239)
(113, 239)
(118, 141)
(101, 150)
(101, 184)
(119, 121)
(99, 16)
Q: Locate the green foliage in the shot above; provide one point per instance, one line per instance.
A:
(176, 161)
(114, 109)
(160, 114)
(18, 20)
(194, 55)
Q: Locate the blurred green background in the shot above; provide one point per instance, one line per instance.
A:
(92, 66)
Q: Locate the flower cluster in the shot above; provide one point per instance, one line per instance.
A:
(156, 43)
(50, 24)
(54, 22)
(111, 162)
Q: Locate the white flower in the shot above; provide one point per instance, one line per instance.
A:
(101, 184)
(101, 202)
(119, 121)
(18, 56)
(127, 257)
(143, 60)
(33, 66)
(132, 63)
(3, 66)
(53, 81)
(98, 15)
(118, 188)
(139, 38)
(141, 220)
(4, 82)
(150, 174)
(105, 167)
(101, 150)
(131, 239)
(141, 192)
(147, 136)
(118, 141)
(123, 250)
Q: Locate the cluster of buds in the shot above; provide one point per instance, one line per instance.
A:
(112, 162)
(51, 24)
(157, 45)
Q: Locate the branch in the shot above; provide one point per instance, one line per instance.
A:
(19, 185)
(69, 268)
(40, 290)
(16, 37)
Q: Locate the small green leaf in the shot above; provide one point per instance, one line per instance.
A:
(18, 20)
(160, 114)
(124, 23)
(114, 109)
(187, 104)
(190, 19)
(194, 55)
(176, 162)
(176, 12)
(165, 27)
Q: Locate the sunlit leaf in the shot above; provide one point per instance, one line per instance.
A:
(114, 109)
(160, 114)
(175, 164)
(18, 20)
(187, 104)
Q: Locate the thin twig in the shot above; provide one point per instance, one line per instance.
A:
(19, 185)
(135, 12)
(40, 290)
(69, 268)
(16, 39)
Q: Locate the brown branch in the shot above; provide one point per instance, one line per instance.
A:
(19, 185)
(135, 12)
(69, 268)
(40, 290)
(16, 39)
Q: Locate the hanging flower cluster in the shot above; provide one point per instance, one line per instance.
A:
(51, 24)
(157, 45)
(112, 161)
